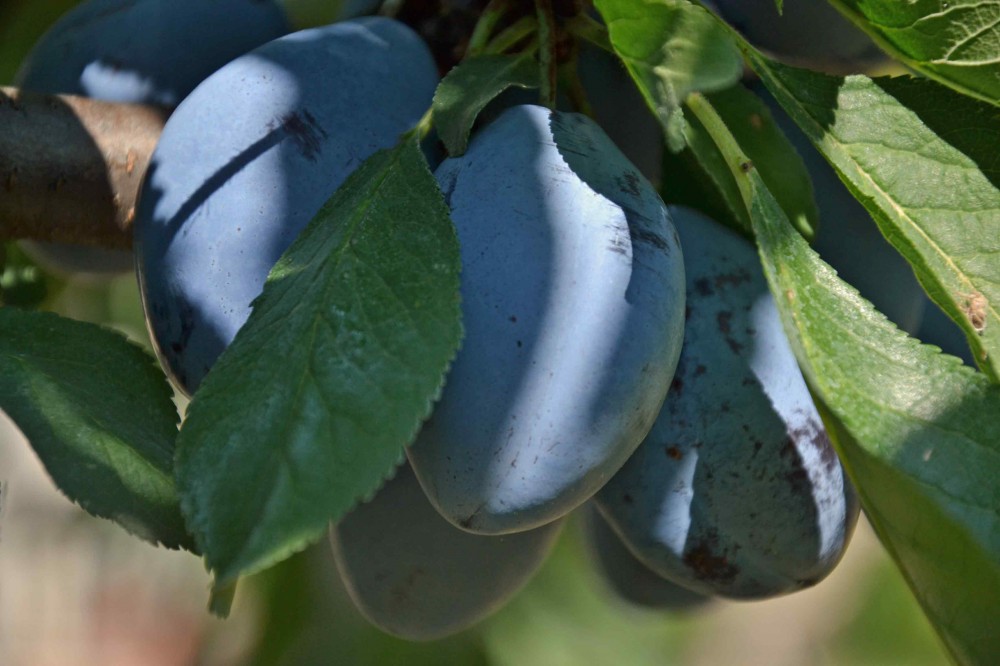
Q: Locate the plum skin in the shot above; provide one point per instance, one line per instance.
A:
(232, 183)
(737, 490)
(140, 52)
(572, 301)
(416, 576)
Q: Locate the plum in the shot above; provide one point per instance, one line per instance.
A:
(737, 490)
(849, 240)
(249, 158)
(807, 32)
(632, 580)
(138, 51)
(416, 576)
(572, 301)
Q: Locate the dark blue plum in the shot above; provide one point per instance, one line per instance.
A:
(138, 51)
(849, 240)
(630, 579)
(737, 490)
(810, 33)
(414, 575)
(572, 301)
(249, 158)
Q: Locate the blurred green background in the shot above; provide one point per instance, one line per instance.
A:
(76, 590)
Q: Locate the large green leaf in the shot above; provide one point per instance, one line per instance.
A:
(311, 405)
(956, 42)
(468, 88)
(918, 432)
(98, 412)
(671, 48)
(922, 159)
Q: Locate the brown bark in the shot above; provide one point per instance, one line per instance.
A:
(71, 167)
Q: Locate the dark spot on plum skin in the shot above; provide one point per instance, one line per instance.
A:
(724, 319)
(733, 279)
(673, 453)
(677, 386)
(400, 593)
(629, 183)
(627, 498)
(185, 312)
(703, 287)
(699, 370)
(512, 319)
(617, 245)
(816, 436)
(304, 130)
(706, 564)
(648, 237)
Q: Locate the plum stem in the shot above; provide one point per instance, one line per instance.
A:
(737, 161)
(510, 36)
(587, 29)
(547, 60)
(479, 40)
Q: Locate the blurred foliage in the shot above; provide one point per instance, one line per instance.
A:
(568, 616)
(21, 24)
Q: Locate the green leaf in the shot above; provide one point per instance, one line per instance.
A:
(918, 432)
(781, 167)
(922, 160)
(955, 42)
(346, 348)
(98, 412)
(470, 86)
(671, 48)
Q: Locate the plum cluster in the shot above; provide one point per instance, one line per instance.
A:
(603, 366)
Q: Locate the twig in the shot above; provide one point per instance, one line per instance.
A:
(71, 167)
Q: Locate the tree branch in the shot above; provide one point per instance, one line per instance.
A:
(71, 167)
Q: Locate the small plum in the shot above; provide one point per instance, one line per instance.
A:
(416, 576)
